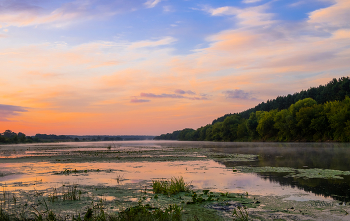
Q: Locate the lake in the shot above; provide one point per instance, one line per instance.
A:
(115, 173)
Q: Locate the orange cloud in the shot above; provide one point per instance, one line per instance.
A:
(336, 15)
(106, 63)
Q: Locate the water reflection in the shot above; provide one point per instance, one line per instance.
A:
(28, 166)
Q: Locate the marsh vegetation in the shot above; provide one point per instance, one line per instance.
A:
(174, 181)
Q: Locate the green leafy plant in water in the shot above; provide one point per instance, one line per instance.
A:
(148, 213)
(170, 187)
(240, 214)
(198, 198)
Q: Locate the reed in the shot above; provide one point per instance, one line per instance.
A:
(170, 187)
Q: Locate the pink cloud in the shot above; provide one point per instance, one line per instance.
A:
(179, 91)
(8, 111)
(136, 100)
(151, 95)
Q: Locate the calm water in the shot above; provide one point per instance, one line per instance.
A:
(39, 166)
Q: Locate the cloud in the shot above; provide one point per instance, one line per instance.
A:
(250, 1)
(152, 3)
(268, 60)
(26, 13)
(198, 98)
(246, 17)
(151, 95)
(8, 111)
(161, 42)
(136, 100)
(106, 63)
(179, 91)
(168, 8)
(298, 3)
(238, 94)
(336, 16)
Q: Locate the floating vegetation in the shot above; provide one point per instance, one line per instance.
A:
(320, 173)
(75, 171)
(246, 169)
(297, 173)
(234, 157)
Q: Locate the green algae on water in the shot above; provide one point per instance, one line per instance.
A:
(297, 173)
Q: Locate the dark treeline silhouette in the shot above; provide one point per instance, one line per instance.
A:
(318, 114)
(9, 137)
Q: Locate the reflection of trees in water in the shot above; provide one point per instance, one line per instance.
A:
(338, 189)
(334, 156)
(297, 155)
(335, 188)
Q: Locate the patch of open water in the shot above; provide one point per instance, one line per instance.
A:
(203, 173)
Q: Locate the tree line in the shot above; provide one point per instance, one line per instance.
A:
(9, 137)
(318, 114)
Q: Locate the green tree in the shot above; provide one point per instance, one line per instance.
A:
(209, 133)
(320, 124)
(185, 134)
(339, 118)
(266, 123)
(283, 123)
(304, 119)
(252, 124)
(307, 102)
(229, 128)
(217, 131)
(242, 130)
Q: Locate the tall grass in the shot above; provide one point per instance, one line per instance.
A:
(240, 214)
(170, 187)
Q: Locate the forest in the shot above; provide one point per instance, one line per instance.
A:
(317, 114)
(10, 137)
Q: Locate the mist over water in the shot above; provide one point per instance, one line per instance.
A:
(43, 166)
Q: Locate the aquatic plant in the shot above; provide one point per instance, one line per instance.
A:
(240, 214)
(170, 187)
(148, 213)
(71, 194)
(3, 215)
(119, 178)
(53, 196)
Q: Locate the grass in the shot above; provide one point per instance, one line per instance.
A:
(136, 213)
(71, 194)
(240, 214)
(148, 213)
(67, 193)
(170, 187)
(99, 212)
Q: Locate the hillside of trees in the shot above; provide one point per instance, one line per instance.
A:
(317, 114)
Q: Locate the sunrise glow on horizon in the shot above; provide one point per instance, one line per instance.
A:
(147, 67)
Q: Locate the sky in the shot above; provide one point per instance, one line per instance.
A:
(147, 67)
